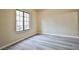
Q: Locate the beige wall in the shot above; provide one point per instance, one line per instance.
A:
(8, 33)
(60, 22)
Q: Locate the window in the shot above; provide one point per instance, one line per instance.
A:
(22, 20)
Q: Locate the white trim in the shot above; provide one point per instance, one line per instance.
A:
(10, 44)
(63, 35)
(14, 42)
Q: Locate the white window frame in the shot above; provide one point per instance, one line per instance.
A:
(25, 21)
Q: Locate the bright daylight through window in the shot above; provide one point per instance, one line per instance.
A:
(22, 20)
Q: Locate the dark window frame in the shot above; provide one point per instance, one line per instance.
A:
(24, 19)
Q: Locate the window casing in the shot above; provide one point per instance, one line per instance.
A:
(22, 20)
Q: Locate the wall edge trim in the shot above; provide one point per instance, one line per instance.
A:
(63, 35)
(7, 45)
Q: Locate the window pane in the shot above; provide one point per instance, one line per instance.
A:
(17, 12)
(26, 27)
(21, 19)
(26, 14)
(21, 28)
(26, 19)
(17, 28)
(17, 18)
(26, 23)
(21, 13)
(17, 23)
(21, 23)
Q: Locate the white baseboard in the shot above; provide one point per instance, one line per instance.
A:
(63, 35)
(10, 44)
(7, 45)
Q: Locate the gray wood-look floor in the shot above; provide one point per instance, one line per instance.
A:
(47, 42)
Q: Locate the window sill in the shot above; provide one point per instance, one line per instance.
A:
(22, 31)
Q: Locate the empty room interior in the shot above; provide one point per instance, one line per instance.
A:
(39, 29)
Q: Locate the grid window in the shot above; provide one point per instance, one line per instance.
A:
(22, 20)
